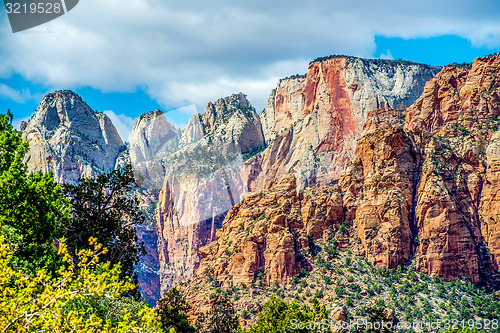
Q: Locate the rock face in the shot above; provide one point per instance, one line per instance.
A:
(421, 184)
(263, 235)
(379, 187)
(202, 182)
(152, 140)
(310, 126)
(490, 199)
(311, 123)
(444, 174)
(69, 138)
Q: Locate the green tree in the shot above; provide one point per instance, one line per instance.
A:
(33, 214)
(172, 309)
(221, 318)
(60, 304)
(379, 318)
(278, 316)
(105, 208)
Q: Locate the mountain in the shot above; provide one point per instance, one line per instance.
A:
(312, 122)
(420, 192)
(309, 127)
(152, 139)
(191, 179)
(68, 137)
(202, 182)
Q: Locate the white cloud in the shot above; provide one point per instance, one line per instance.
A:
(123, 124)
(185, 52)
(387, 55)
(180, 117)
(15, 95)
(8, 92)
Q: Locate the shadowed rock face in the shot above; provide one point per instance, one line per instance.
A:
(69, 138)
(202, 182)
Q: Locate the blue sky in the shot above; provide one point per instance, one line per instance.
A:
(126, 59)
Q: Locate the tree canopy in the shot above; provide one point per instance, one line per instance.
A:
(60, 304)
(33, 214)
(105, 208)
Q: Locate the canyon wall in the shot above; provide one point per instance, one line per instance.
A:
(420, 188)
(312, 122)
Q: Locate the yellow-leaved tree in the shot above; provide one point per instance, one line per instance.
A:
(86, 298)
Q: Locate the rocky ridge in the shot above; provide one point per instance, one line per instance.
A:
(202, 182)
(310, 129)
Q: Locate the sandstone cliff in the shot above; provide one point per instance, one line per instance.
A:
(445, 194)
(265, 234)
(421, 186)
(311, 123)
(310, 127)
(202, 182)
(69, 138)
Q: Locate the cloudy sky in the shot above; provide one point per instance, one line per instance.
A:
(129, 57)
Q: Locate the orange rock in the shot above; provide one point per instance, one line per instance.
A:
(263, 235)
(379, 187)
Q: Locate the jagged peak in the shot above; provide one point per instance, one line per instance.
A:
(226, 107)
(62, 107)
(150, 115)
(145, 119)
(66, 93)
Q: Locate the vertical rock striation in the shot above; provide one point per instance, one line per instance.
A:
(311, 123)
(202, 182)
(69, 138)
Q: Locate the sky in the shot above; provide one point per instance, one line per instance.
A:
(134, 56)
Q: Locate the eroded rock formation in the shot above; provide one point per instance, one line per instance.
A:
(69, 138)
(264, 235)
(312, 123)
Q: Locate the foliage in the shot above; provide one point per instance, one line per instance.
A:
(172, 309)
(255, 151)
(377, 62)
(59, 304)
(463, 64)
(32, 212)
(103, 208)
(221, 318)
(295, 76)
(377, 315)
(278, 316)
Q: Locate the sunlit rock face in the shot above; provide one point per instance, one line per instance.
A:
(422, 188)
(312, 122)
(310, 129)
(69, 138)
